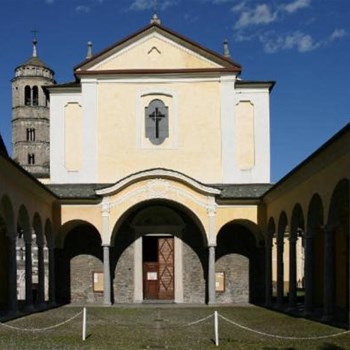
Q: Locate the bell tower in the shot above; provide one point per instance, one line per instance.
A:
(31, 115)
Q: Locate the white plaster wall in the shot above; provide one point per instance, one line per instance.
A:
(88, 100)
(260, 172)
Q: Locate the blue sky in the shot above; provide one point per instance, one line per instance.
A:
(304, 45)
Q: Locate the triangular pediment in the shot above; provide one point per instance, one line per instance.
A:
(156, 48)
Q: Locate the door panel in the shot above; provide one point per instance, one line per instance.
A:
(150, 280)
(166, 268)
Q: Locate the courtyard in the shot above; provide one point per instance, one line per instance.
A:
(169, 327)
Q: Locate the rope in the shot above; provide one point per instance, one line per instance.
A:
(199, 321)
(40, 329)
(193, 323)
(280, 336)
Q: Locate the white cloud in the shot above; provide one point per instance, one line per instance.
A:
(338, 34)
(82, 9)
(261, 14)
(302, 42)
(296, 5)
(239, 7)
(140, 5)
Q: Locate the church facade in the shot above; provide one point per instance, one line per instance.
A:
(159, 190)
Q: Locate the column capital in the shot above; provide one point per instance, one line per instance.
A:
(105, 245)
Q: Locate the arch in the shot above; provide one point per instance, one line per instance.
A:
(314, 254)
(35, 94)
(4, 264)
(77, 257)
(242, 260)
(339, 205)
(7, 209)
(271, 278)
(281, 234)
(338, 223)
(251, 227)
(48, 233)
(27, 95)
(68, 227)
(296, 254)
(165, 202)
(38, 229)
(24, 227)
(159, 220)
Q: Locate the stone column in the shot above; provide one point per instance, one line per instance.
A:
(12, 275)
(211, 276)
(28, 276)
(268, 272)
(329, 274)
(52, 279)
(308, 285)
(280, 282)
(41, 275)
(292, 272)
(107, 275)
(211, 210)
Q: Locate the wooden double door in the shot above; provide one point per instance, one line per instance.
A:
(158, 268)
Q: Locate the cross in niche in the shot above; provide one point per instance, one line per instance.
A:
(156, 116)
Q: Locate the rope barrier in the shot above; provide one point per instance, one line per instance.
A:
(193, 323)
(40, 329)
(281, 336)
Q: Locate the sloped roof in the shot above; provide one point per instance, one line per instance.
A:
(34, 61)
(3, 149)
(225, 62)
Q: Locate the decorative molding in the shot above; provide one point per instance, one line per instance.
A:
(159, 174)
(160, 189)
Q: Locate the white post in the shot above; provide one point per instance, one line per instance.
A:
(216, 328)
(84, 324)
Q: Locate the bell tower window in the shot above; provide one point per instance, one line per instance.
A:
(30, 134)
(31, 158)
(156, 122)
(35, 96)
(27, 96)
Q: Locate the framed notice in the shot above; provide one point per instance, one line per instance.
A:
(220, 281)
(152, 276)
(97, 282)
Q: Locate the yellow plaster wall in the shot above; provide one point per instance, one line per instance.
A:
(29, 194)
(88, 213)
(154, 53)
(299, 190)
(228, 214)
(73, 136)
(196, 107)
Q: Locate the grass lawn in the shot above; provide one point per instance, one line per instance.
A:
(167, 327)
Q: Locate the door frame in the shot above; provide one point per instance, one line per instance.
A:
(178, 268)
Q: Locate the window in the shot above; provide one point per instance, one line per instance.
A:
(156, 122)
(30, 134)
(35, 96)
(27, 96)
(31, 158)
